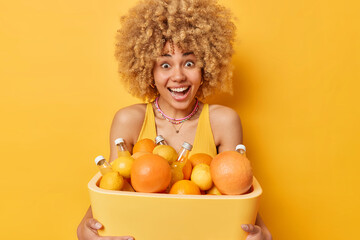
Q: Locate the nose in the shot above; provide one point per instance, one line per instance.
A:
(178, 74)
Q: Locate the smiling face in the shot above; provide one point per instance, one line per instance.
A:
(177, 78)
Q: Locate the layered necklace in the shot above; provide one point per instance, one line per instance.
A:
(176, 121)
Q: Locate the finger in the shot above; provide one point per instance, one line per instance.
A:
(118, 238)
(93, 224)
(252, 229)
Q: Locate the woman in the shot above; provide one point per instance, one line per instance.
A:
(173, 53)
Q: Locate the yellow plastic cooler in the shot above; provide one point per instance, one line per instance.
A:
(158, 216)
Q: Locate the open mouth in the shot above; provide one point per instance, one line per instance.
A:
(178, 92)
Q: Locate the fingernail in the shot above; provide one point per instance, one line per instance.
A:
(98, 225)
(130, 238)
(245, 227)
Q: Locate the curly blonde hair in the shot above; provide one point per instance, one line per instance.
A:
(201, 26)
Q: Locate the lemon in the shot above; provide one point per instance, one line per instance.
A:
(213, 191)
(166, 152)
(112, 181)
(201, 176)
(123, 165)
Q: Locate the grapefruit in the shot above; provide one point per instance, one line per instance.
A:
(150, 173)
(231, 173)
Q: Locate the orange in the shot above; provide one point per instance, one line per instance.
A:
(187, 169)
(185, 187)
(150, 173)
(144, 145)
(200, 158)
(231, 173)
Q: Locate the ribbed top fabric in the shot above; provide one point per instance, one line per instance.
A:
(148, 129)
(204, 139)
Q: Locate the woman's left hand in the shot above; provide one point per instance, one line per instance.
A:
(256, 232)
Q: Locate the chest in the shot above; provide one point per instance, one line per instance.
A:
(175, 135)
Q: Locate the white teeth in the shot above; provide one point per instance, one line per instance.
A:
(179, 89)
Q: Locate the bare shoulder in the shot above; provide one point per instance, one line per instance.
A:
(127, 123)
(220, 114)
(130, 114)
(226, 127)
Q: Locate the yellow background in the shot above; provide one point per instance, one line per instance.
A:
(296, 90)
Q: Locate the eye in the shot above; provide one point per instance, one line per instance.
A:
(165, 65)
(189, 64)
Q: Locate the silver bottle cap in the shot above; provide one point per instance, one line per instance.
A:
(119, 140)
(240, 146)
(187, 146)
(159, 139)
(98, 159)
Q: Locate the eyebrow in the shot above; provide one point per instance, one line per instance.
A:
(184, 54)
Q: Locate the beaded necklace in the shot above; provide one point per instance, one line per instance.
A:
(177, 120)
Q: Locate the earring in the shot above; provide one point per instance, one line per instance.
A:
(152, 85)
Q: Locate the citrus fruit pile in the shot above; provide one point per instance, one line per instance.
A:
(148, 170)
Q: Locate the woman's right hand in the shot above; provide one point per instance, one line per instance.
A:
(87, 230)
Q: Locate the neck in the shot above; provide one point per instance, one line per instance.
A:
(170, 111)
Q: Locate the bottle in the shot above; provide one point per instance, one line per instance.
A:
(160, 140)
(122, 149)
(103, 165)
(178, 165)
(240, 148)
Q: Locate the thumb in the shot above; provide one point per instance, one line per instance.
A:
(93, 224)
(252, 229)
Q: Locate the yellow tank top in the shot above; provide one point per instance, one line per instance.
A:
(204, 139)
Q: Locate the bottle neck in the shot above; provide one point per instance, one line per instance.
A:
(101, 162)
(122, 147)
(241, 151)
(122, 150)
(104, 167)
(183, 156)
(162, 142)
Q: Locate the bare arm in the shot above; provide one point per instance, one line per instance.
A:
(126, 124)
(226, 127)
(227, 130)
